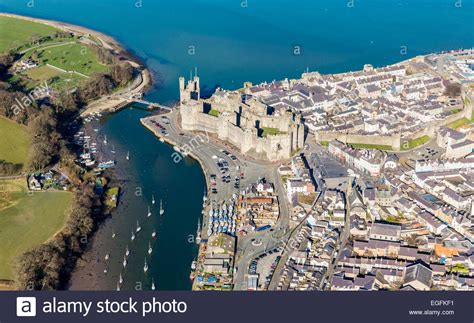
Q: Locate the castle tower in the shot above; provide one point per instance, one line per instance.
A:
(181, 90)
(190, 92)
(223, 127)
(197, 87)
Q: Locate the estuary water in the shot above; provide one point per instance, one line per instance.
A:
(229, 42)
(232, 41)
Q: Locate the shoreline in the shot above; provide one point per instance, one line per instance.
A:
(107, 103)
(107, 41)
(114, 101)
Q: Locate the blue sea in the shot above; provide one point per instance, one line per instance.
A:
(233, 41)
(229, 42)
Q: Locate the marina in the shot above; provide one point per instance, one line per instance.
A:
(135, 232)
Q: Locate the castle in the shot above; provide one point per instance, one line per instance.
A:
(252, 126)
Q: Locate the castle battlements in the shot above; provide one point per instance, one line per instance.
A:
(243, 121)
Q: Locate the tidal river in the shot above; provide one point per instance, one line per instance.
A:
(229, 42)
(150, 171)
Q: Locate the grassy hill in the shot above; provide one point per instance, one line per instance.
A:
(14, 142)
(64, 62)
(72, 57)
(27, 220)
(16, 32)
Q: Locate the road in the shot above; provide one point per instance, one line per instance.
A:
(208, 149)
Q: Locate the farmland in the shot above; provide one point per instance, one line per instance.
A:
(27, 220)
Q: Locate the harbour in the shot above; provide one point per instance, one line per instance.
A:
(156, 178)
(159, 216)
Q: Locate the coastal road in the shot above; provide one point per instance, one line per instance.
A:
(206, 148)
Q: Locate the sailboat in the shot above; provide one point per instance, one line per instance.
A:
(127, 251)
(139, 228)
(105, 140)
(149, 212)
(128, 156)
(153, 234)
(153, 199)
(153, 284)
(198, 232)
(133, 236)
(150, 249)
(120, 279)
(162, 211)
(145, 267)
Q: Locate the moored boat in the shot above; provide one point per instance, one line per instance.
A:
(162, 210)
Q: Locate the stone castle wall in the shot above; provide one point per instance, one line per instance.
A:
(393, 140)
(244, 135)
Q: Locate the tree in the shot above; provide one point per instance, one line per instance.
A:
(122, 73)
(44, 138)
(98, 85)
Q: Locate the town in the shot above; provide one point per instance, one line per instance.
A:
(354, 181)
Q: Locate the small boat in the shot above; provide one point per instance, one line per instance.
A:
(133, 236)
(127, 251)
(139, 228)
(153, 284)
(162, 211)
(204, 197)
(105, 271)
(128, 156)
(118, 287)
(198, 232)
(113, 233)
(194, 265)
(145, 267)
(105, 140)
(124, 262)
(120, 279)
(153, 234)
(107, 256)
(106, 165)
(113, 149)
(153, 199)
(150, 249)
(149, 212)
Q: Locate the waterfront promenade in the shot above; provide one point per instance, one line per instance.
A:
(206, 149)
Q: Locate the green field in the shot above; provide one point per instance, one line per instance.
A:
(266, 131)
(16, 32)
(415, 142)
(14, 142)
(55, 78)
(371, 146)
(213, 113)
(27, 220)
(43, 73)
(461, 122)
(71, 57)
